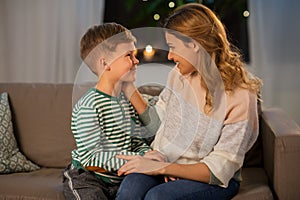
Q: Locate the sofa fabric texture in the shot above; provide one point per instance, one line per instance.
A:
(41, 119)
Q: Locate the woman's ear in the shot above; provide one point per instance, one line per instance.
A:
(194, 46)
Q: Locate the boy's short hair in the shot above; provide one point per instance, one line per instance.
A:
(90, 47)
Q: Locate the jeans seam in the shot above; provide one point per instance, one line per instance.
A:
(70, 183)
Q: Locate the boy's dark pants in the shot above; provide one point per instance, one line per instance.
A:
(80, 184)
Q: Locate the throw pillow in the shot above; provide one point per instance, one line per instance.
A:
(11, 159)
(151, 100)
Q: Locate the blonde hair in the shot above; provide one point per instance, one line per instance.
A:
(90, 47)
(198, 22)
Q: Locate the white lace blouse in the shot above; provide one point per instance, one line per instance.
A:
(187, 135)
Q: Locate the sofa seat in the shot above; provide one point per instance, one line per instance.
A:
(254, 185)
(41, 116)
(45, 183)
(48, 185)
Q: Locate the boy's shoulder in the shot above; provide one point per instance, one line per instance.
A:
(87, 99)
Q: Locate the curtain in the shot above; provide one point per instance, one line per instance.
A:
(274, 52)
(39, 39)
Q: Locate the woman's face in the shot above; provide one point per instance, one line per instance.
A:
(183, 55)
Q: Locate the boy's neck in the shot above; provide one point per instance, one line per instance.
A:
(107, 87)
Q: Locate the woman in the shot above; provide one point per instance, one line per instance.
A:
(206, 117)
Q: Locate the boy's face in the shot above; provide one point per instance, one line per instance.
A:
(123, 63)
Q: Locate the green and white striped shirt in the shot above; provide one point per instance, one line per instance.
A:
(104, 126)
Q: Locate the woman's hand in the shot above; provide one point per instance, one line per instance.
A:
(170, 178)
(139, 164)
(155, 155)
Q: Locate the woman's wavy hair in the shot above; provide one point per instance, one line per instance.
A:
(198, 22)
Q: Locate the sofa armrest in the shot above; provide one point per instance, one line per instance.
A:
(281, 152)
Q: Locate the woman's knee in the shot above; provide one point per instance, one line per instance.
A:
(134, 186)
(156, 193)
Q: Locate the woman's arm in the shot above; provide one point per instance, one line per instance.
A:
(138, 164)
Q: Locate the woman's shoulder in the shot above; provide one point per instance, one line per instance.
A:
(240, 95)
(240, 102)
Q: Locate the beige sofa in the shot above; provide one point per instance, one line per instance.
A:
(41, 121)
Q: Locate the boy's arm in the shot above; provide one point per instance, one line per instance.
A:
(147, 114)
(140, 146)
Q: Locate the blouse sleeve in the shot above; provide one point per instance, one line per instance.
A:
(152, 117)
(239, 132)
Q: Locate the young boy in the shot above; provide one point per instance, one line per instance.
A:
(104, 123)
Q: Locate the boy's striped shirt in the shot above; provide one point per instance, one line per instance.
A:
(104, 126)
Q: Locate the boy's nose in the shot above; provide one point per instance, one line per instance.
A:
(135, 60)
(170, 55)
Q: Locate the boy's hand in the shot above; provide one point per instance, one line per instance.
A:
(134, 96)
(128, 88)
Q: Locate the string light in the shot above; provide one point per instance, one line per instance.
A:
(246, 13)
(171, 4)
(156, 17)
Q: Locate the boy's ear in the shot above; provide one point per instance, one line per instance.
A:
(104, 64)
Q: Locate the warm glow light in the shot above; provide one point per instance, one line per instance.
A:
(148, 52)
(148, 48)
(135, 51)
(171, 4)
(246, 13)
(156, 17)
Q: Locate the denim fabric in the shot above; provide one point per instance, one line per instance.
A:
(80, 184)
(140, 186)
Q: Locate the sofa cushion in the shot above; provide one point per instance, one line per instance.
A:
(42, 121)
(11, 159)
(254, 185)
(41, 184)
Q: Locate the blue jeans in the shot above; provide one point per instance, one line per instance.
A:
(139, 186)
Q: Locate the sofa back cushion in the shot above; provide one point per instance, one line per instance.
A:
(41, 115)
